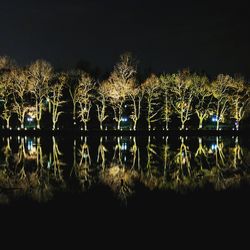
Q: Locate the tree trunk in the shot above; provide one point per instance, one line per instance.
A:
(149, 125)
(7, 123)
(200, 123)
(135, 123)
(182, 125)
(119, 124)
(217, 124)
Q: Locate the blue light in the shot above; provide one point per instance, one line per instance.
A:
(214, 146)
(214, 118)
(29, 119)
(30, 145)
(124, 119)
(124, 146)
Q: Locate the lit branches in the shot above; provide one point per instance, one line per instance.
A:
(40, 73)
(151, 89)
(56, 92)
(220, 90)
(183, 94)
(84, 97)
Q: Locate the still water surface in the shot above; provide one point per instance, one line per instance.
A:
(38, 168)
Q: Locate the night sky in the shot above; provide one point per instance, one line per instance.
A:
(163, 35)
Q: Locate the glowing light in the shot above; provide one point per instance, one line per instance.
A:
(30, 145)
(214, 118)
(124, 146)
(124, 119)
(30, 119)
(214, 146)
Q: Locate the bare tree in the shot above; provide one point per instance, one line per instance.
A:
(20, 89)
(203, 99)
(136, 95)
(183, 95)
(166, 84)
(73, 83)
(239, 99)
(6, 63)
(151, 88)
(84, 97)
(120, 83)
(220, 90)
(101, 105)
(56, 93)
(6, 96)
(40, 73)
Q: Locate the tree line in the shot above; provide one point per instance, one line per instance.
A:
(37, 89)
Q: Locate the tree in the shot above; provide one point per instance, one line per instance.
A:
(6, 63)
(19, 90)
(5, 95)
(166, 84)
(56, 92)
(239, 99)
(101, 105)
(136, 95)
(40, 73)
(203, 99)
(151, 88)
(6, 66)
(220, 90)
(183, 95)
(120, 83)
(84, 97)
(72, 82)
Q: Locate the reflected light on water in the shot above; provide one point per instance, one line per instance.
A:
(166, 163)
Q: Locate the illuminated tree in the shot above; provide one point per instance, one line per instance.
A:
(40, 73)
(72, 82)
(151, 88)
(55, 95)
(5, 95)
(84, 97)
(101, 105)
(166, 85)
(239, 99)
(6, 63)
(136, 96)
(203, 99)
(20, 91)
(183, 95)
(120, 83)
(220, 90)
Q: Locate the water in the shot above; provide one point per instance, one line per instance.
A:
(46, 170)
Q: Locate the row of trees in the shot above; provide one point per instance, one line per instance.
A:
(184, 95)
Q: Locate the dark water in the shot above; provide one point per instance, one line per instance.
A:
(123, 170)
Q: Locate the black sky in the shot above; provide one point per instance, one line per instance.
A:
(164, 35)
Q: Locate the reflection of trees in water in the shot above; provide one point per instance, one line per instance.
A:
(101, 154)
(120, 179)
(186, 167)
(236, 154)
(82, 167)
(117, 157)
(19, 179)
(135, 151)
(180, 166)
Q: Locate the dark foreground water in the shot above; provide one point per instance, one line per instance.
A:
(123, 172)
